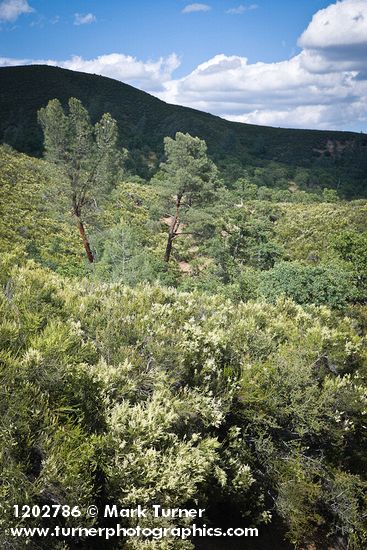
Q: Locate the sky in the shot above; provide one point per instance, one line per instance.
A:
(284, 63)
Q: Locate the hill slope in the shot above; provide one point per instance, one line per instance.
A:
(145, 120)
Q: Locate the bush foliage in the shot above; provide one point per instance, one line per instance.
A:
(232, 376)
(150, 394)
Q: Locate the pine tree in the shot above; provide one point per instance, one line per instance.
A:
(190, 176)
(87, 155)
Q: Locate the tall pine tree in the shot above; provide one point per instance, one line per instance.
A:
(190, 178)
(87, 155)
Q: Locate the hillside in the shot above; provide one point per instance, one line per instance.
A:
(242, 389)
(332, 159)
(231, 377)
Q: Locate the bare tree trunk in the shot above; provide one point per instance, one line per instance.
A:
(173, 229)
(85, 241)
(168, 251)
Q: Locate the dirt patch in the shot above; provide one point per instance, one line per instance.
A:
(185, 267)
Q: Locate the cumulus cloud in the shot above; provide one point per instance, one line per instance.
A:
(12, 62)
(336, 38)
(340, 24)
(279, 94)
(147, 75)
(324, 86)
(191, 8)
(10, 10)
(84, 19)
(242, 9)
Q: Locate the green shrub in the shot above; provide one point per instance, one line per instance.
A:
(307, 284)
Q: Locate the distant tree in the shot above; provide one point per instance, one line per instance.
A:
(190, 176)
(87, 154)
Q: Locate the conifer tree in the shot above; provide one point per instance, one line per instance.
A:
(87, 154)
(190, 176)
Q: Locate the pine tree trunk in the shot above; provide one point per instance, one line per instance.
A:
(85, 241)
(167, 254)
(173, 229)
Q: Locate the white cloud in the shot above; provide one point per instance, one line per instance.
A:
(324, 86)
(336, 38)
(10, 10)
(338, 25)
(84, 19)
(191, 8)
(322, 117)
(280, 94)
(147, 75)
(242, 9)
(12, 62)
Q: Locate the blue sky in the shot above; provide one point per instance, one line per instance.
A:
(150, 29)
(279, 62)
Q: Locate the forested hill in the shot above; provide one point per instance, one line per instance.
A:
(332, 159)
(195, 339)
